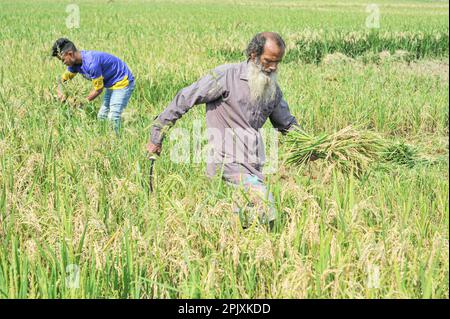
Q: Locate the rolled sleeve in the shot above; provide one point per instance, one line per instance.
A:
(68, 75)
(208, 89)
(281, 117)
(96, 74)
(98, 83)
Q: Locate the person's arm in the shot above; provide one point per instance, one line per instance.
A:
(96, 74)
(66, 76)
(284, 121)
(209, 88)
(281, 117)
(98, 88)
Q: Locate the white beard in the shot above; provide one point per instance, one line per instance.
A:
(262, 86)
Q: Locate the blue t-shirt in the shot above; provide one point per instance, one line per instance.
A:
(97, 64)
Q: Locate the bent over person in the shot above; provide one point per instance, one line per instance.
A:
(104, 70)
(239, 99)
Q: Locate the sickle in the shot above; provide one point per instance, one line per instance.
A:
(150, 178)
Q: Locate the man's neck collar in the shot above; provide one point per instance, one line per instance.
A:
(244, 71)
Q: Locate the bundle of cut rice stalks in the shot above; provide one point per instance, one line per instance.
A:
(350, 150)
(74, 91)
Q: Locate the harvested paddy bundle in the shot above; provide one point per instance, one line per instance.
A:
(350, 150)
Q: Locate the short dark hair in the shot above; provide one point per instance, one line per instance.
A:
(62, 45)
(258, 42)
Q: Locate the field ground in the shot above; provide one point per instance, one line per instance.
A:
(76, 218)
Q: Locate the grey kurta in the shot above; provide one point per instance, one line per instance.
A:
(232, 120)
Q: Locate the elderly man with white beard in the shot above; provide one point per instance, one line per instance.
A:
(239, 99)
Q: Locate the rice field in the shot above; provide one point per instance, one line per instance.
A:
(76, 216)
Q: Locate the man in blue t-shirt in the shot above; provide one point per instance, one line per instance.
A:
(104, 70)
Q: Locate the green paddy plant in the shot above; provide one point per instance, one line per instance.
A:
(312, 45)
(401, 153)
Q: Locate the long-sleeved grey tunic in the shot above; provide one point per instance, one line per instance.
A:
(232, 120)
